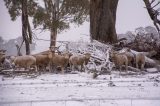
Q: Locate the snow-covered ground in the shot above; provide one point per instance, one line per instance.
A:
(81, 90)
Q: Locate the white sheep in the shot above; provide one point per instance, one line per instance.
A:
(25, 61)
(42, 61)
(60, 60)
(79, 60)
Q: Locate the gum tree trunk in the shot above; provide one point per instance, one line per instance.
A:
(103, 20)
(25, 26)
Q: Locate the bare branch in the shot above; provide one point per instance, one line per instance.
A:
(153, 14)
(156, 4)
(152, 1)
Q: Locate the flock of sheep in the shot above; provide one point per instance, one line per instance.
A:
(48, 60)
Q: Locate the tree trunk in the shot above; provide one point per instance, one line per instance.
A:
(55, 10)
(53, 37)
(25, 26)
(103, 20)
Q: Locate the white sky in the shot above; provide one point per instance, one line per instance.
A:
(130, 15)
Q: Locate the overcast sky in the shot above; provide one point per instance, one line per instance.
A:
(130, 15)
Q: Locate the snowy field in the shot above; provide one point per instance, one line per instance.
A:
(81, 90)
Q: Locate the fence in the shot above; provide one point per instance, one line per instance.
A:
(88, 102)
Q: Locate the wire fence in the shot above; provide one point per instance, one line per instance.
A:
(88, 102)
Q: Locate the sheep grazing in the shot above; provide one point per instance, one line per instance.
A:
(79, 60)
(25, 61)
(119, 59)
(42, 61)
(140, 60)
(60, 60)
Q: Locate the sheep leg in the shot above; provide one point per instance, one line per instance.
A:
(142, 67)
(62, 70)
(72, 67)
(82, 68)
(36, 68)
(126, 66)
(50, 67)
(136, 64)
(120, 69)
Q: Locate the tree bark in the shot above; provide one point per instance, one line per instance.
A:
(55, 18)
(53, 37)
(103, 20)
(25, 26)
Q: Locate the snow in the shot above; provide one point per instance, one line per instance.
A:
(81, 90)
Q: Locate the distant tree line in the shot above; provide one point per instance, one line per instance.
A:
(10, 46)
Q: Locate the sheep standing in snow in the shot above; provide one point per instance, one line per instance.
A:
(59, 60)
(130, 56)
(140, 60)
(119, 59)
(79, 60)
(2, 58)
(42, 61)
(25, 61)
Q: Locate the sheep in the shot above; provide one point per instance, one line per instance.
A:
(59, 60)
(140, 60)
(119, 59)
(25, 61)
(79, 60)
(2, 58)
(130, 56)
(7, 64)
(42, 61)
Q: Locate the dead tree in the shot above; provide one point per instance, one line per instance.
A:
(153, 13)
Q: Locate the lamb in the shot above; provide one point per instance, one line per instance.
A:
(25, 61)
(79, 60)
(59, 60)
(140, 60)
(119, 59)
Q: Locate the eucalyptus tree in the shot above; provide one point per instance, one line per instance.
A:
(23, 8)
(57, 15)
(54, 15)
